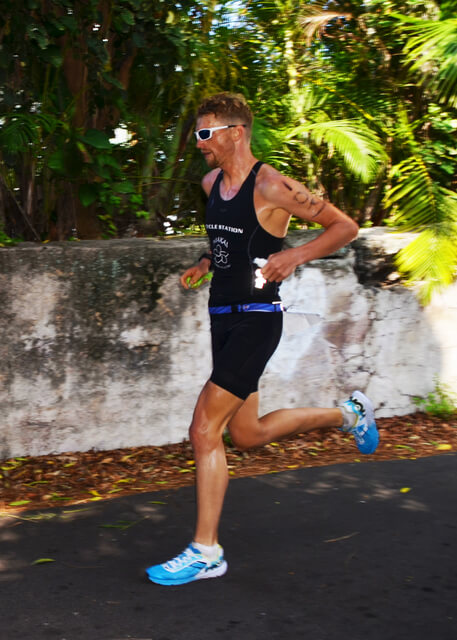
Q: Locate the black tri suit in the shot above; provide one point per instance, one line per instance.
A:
(246, 318)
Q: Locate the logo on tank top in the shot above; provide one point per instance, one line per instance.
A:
(220, 253)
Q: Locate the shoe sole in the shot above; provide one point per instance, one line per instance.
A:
(217, 572)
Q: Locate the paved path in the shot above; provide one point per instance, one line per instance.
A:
(330, 553)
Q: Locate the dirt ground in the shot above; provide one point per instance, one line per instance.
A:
(73, 478)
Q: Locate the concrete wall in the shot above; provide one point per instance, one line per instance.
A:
(101, 348)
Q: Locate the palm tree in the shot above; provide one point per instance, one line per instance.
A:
(365, 59)
(418, 200)
(431, 52)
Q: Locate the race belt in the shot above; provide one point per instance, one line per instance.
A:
(263, 307)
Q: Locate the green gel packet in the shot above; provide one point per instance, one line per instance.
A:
(200, 281)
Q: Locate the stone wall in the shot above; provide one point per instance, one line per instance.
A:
(101, 348)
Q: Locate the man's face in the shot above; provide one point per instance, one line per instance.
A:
(219, 146)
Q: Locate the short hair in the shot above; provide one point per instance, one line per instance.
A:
(230, 107)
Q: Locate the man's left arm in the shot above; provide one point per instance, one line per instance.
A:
(290, 198)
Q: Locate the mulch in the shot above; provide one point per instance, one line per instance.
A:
(31, 483)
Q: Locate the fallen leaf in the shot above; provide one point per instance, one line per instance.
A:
(405, 446)
(349, 535)
(88, 472)
(43, 560)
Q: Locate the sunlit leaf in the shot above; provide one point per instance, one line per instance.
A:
(43, 561)
(357, 145)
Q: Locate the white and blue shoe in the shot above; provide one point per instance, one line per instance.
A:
(188, 566)
(364, 429)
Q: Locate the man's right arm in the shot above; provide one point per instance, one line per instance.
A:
(201, 269)
(193, 274)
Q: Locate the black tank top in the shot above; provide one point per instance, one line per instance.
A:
(237, 238)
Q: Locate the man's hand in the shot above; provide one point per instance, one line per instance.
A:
(281, 265)
(192, 275)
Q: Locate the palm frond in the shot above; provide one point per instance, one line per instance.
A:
(306, 99)
(19, 130)
(432, 50)
(416, 200)
(267, 142)
(358, 146)
(420, 204)
(315, 18)
(431, 260)
(357, 102)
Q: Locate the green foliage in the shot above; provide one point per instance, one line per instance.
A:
(358, 100)
(431, 50)
(6, 241)
(440, 402)
(358, 146)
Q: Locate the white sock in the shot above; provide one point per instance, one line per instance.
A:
(211, 552)
(349, 418)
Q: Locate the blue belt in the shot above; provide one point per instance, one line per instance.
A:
(264, 307)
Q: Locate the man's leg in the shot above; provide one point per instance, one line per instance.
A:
(215, 407)
(248, 430)
(204, 558)
(355, 416)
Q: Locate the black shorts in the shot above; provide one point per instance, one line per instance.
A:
(242, 344)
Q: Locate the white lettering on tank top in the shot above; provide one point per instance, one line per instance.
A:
(223, 227)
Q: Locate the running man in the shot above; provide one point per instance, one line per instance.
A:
(248, 212)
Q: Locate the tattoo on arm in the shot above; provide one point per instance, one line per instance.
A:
(306, 198)
(303, 198)
(318, 212)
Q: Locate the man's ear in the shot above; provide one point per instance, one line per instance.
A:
(237, 133)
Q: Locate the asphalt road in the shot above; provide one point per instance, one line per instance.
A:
(346, 552)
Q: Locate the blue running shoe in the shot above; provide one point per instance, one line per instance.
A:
(190, 565)
(364, 430)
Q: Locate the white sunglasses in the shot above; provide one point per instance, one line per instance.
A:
(207, 134)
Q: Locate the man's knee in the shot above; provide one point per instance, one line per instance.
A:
(215, 407)
(201, 435)
(205, 434)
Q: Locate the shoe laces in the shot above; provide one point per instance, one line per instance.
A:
(182, 560)
(358, 405)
